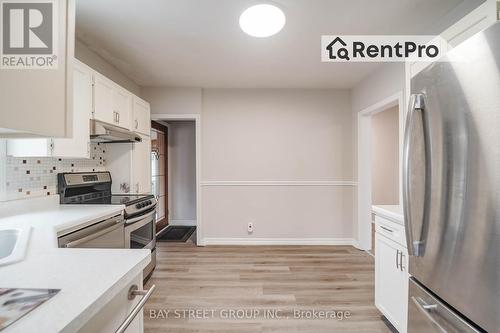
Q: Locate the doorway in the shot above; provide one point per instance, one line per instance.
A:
(178, 185)
(371, 166)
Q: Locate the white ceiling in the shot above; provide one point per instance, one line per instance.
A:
(198, 43)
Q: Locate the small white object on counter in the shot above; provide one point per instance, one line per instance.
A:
(393, 213)
(88, 278)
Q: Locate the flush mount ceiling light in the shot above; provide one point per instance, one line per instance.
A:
(262, 20)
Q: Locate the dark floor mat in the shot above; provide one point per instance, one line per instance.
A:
(176, 233)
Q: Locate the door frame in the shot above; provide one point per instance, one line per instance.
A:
(364, 195)
(197, 124)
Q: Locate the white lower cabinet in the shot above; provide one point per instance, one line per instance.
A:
(391, 274)
(130, 166)
(109, 318)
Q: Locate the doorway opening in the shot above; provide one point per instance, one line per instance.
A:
(174, 178)
(380, 142)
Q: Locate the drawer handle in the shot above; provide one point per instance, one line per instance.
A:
(132, 292)
(386, 229)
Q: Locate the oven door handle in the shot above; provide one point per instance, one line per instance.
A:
(95, 235)
(141, 217)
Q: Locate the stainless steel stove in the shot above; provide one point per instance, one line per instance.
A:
(93, 188)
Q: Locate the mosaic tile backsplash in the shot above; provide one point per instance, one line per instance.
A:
(34, 176)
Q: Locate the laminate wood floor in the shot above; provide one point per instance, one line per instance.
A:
(262, 289)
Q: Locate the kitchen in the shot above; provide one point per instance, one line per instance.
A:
(280, 164)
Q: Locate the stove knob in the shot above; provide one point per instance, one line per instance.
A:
(149, 202)
(138, 206)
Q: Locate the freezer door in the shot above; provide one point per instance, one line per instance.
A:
(451, 179)
(428, 315)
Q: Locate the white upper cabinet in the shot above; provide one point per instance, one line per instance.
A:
(113, 104)
(141, 120)
(141, 166)
(103, 99)
(78, 146)
(130, 166)
(122, 106)
(475, 21)
(38, 102)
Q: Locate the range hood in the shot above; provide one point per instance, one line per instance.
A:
(102, 132)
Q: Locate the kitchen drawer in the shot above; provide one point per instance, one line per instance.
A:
(391, 230)
(112, 315)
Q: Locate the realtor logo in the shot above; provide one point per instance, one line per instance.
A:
(28, 37)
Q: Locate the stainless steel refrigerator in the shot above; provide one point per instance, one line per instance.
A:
(451, 190)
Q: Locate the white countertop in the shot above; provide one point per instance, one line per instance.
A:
(390, 212)
(88, 278)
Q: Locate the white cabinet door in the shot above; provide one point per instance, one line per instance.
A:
(103, 99)
(391, 281)
(37, 102)
(141, 166)
(130, 166)
(79, 145)
(141, 116)
(29, 147)
(122, 105)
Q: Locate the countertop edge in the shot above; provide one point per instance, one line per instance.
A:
(87, 314)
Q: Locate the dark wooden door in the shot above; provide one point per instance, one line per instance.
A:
(159, 146)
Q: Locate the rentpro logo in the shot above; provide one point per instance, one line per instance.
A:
(28, 37)
(382, 48)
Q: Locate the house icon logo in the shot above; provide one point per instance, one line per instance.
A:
(337, 48)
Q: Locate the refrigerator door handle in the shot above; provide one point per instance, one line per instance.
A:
(426, 310)
(416, 106)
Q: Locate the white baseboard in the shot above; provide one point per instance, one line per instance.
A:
(188, 223)
(277, 241)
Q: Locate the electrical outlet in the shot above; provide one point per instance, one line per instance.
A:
(250, 227)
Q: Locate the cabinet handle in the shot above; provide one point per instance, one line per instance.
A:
(118, 117)
(397, 259)
(401, 262)
(136, 124)
(133, 291)
(386, 229)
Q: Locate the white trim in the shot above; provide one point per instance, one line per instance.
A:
(3, 169)
(197, 122)
(364, 196)
(188, 223)
(277, 183)
(279, 241)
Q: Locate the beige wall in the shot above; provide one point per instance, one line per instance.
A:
(385, 157)
(279, 158)
(182, 175)
(93, 60)
(173, 100)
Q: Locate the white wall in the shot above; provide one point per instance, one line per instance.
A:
(273, 157)
(173, 100)
(384, 82)
(280, 158)
(385, 157)
(93, 60)
(182, 175)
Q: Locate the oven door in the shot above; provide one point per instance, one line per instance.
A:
(140, 231)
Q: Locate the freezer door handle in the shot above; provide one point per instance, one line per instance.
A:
(426, 310)
(416, 108)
